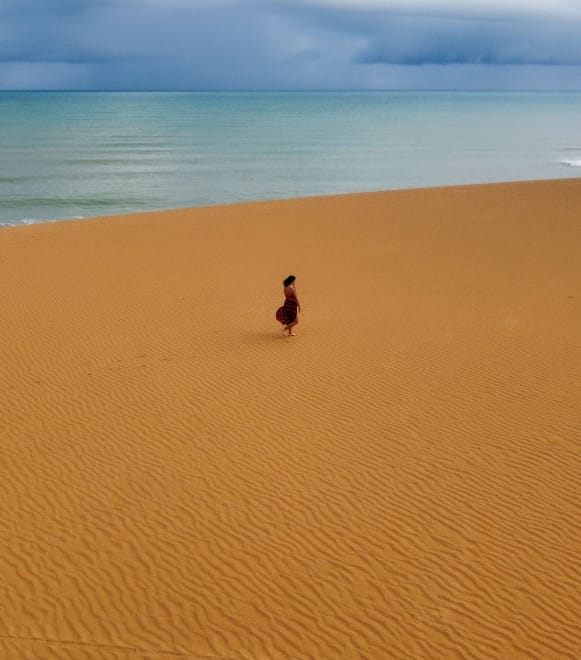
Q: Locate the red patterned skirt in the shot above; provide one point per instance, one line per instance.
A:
(287, 314)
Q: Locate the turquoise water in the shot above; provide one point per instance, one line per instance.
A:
(82, 154)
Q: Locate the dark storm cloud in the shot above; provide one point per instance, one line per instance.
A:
(144, 44)
(447, 41)
(52, 32)
(540, 35)
(475, 36)
(257, 44)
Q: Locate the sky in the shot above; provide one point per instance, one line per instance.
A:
(290, 44)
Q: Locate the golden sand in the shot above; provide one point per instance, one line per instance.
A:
(401, 480)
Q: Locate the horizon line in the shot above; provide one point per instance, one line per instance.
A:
(290, 91)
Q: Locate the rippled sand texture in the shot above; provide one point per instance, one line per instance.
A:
(401, 480)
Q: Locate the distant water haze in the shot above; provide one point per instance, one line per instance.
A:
(72, 155)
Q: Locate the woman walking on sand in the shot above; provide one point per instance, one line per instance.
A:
(288, 314)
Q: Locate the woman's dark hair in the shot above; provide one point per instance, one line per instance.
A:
(289, 280)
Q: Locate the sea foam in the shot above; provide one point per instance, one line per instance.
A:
(571, 162)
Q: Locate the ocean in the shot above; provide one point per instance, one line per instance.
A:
(83, 154)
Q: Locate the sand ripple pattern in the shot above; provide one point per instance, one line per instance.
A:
(401, 480)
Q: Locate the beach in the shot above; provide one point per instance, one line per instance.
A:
(399, 480)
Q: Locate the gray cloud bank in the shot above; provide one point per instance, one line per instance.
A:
(179, 44)
(460, 41)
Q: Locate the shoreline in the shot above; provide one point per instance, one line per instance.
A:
(180, 209)
(402, 477)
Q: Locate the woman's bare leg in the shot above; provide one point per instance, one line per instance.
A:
(290, 327)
